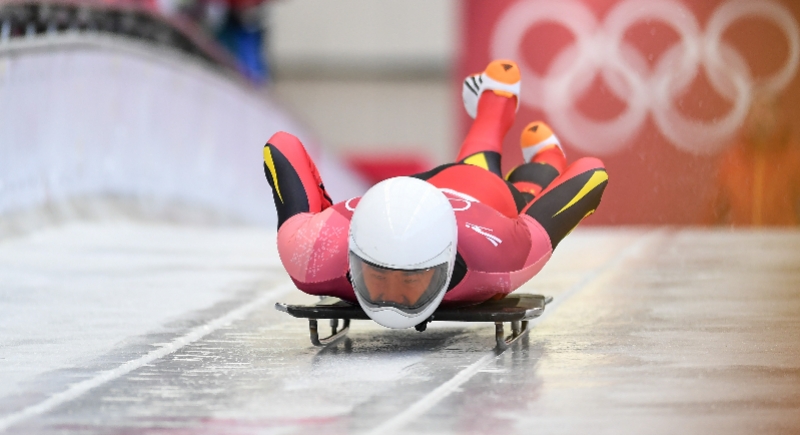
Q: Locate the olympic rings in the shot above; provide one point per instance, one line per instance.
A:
(599, 48)
(459, 197)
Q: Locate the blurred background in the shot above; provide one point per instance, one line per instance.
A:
(160, 107)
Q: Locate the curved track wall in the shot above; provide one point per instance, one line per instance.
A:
(100, 116)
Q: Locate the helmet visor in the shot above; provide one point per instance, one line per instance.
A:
(410, 291)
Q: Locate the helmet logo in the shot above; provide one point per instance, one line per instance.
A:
(485, 232)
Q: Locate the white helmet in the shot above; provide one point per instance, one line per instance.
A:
(403, 236)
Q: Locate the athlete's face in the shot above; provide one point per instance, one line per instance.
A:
(398, 286)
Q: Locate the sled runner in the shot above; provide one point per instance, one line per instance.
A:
(516, 309)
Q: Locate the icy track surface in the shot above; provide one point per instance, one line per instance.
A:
(119, 328)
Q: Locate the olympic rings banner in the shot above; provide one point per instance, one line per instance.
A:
(655, 88)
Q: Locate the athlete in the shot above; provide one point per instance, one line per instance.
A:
(458, 234)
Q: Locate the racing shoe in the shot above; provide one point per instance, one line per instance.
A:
(501, 76)
(540, 145)
(544, 159)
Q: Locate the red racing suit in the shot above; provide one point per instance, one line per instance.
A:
(505, 233)
(497, 253)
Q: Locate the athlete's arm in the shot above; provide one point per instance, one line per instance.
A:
(296, 184)
(313, 249)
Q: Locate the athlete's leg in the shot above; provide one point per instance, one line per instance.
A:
(544, 160)
(295, 181)
(570, 198)
(493, 112)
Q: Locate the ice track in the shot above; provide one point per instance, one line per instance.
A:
(126, 327)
